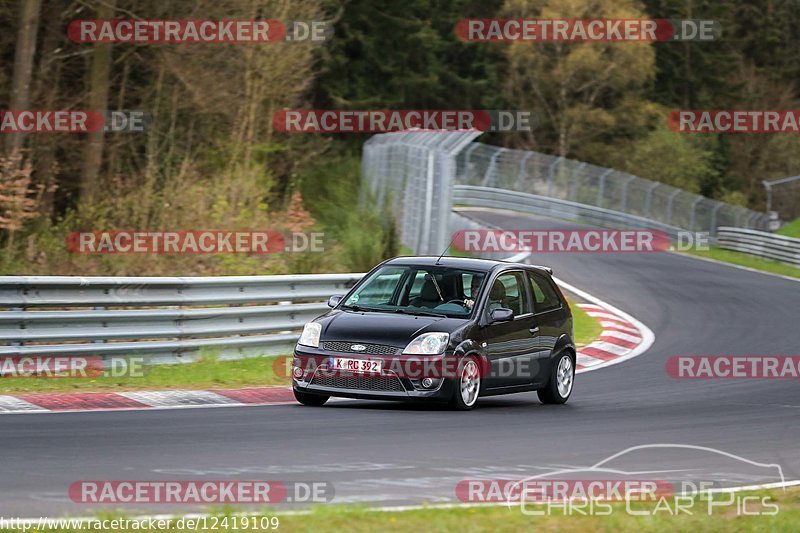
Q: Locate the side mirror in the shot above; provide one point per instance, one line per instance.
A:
(501, 314)
(333, 301)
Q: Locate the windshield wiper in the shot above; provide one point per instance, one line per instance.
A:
(361, 308)
(419, 313)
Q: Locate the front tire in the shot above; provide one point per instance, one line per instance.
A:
(314, 400)
(562, 377)
(467, 385)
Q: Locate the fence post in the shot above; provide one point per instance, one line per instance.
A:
(602, 185)
(648, 198)
(426, 219)
(467, 155)
(693, 214)
(623, 203)
(573, 181)
(490, 170)
(551, 175)
(713, 229)
(522, 169)
(669, 205)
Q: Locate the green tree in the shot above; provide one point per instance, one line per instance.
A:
(696, 74)
(587, 94)
(389, 54)
(672, 158)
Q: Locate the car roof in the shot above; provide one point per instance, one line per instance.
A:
(469, 263)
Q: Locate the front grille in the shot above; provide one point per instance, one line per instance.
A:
(380, 384)
(371, 349)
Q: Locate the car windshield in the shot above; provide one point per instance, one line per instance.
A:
(419, 290)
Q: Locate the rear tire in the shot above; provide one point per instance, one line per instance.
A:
(562, 377)
(467, 386)
(314, 400)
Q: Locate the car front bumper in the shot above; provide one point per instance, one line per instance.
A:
(311, 373)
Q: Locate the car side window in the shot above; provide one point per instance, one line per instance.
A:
(544, 295)
(508, 291)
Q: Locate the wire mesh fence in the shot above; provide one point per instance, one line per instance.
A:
(783, 197)
(576, 181)
(413, 174)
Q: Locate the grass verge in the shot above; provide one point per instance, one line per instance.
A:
(512, 519)
(208, 373)
(655, 517)
(747, 260)
(791, 230)
(587, 328)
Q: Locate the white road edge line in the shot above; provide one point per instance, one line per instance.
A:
(648, 337)
(733, 265)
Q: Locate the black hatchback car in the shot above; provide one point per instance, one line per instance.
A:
(440, 329)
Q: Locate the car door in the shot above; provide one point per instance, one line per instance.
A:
(549, 318)
(511, 346)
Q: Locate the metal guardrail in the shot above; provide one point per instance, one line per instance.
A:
(761, 244)
(474, 196)
(160, 318)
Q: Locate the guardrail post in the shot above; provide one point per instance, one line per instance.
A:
(21, 326)
(99, 308)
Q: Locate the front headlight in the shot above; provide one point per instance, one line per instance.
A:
(428, 344)
(310, 335)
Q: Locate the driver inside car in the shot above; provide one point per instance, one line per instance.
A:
(474, 287)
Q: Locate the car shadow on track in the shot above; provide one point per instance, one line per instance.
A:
(522, 401)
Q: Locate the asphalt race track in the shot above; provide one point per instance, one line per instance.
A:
(394, 454)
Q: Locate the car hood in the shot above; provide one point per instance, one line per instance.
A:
(382, 328)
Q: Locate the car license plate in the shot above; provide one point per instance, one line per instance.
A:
(356, 365)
